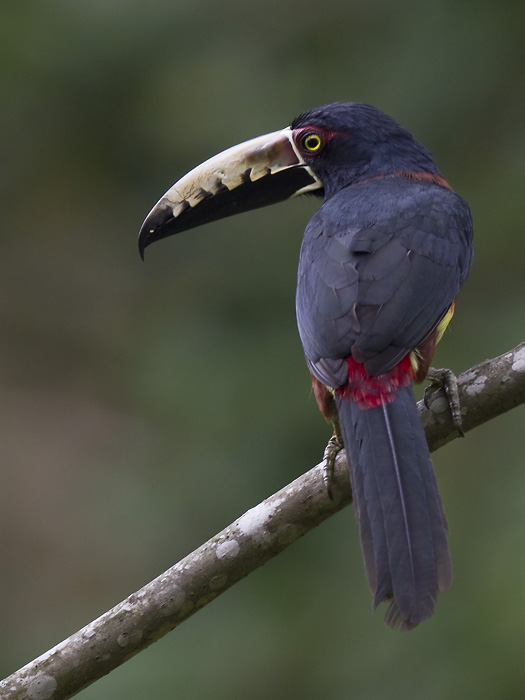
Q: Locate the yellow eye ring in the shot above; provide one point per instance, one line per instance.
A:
(311, 142)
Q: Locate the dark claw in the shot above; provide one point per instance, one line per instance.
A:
(331, 451)
(446, 379)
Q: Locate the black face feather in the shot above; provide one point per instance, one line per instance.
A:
(366, 143)
(351, 116)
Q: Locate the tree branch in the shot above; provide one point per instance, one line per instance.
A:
(487, 390)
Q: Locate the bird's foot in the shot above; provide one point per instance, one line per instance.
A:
(335, 445)
(446, 379)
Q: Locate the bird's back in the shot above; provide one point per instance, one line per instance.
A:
(381, 262)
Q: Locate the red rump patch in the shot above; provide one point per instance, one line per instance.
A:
(369, 392)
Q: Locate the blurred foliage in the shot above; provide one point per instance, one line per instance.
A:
(145, 406)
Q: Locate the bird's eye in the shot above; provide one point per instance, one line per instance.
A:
(311, 142)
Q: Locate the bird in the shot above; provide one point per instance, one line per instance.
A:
(381, 263)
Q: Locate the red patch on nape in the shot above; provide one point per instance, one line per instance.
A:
(369, 392)
(424, 177)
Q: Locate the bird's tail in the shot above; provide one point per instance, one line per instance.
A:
(401, 521)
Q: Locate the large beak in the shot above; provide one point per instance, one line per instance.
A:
(262, 171)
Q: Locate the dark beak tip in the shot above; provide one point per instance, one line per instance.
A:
(158, 224)
(143, 241)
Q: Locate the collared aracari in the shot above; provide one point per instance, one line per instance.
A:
(380, 266)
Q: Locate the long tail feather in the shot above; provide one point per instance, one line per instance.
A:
(401, 521)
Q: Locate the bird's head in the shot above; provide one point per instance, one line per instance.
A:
(323, 151)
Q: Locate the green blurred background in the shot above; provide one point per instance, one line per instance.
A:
(146, 406)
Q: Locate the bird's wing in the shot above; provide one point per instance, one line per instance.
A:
(374, 282)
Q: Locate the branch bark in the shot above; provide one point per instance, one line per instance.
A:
(487, 390)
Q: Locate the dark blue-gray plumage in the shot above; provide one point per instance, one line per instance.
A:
(381, 264)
